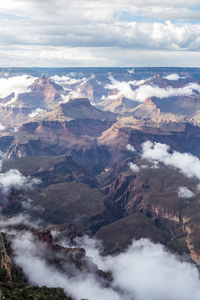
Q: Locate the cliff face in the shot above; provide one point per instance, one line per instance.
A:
(179, 136)
(5, 260)
(152, 193)
(71, 129)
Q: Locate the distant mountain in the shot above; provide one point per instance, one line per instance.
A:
(10, 72)
(79, 108)
(42, 95)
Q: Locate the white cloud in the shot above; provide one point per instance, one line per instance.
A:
(145, 91)
(124, 88)
(92, 10)
(174, 77)
(98, 24)
(169, 280)
(72, 94)
(94, 56)
(37, 113)
(16, 84)
(2, 127)
(184, 192)
(133, 278)
(130, 148)
(134, 167)
(2, 158)
(186, 163)
(29, 255)
(15, 221)
(66, 80)
(13, 178)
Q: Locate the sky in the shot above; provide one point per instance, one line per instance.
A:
(113, 33)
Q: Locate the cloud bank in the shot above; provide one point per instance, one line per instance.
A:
(16, 85)
(30, 255)
(145, 91)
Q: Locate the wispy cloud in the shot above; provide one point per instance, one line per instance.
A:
(13, 178)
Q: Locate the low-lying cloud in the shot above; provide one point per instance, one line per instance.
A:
(16, 85)
(144, 271)
(13, 178)
(124, 88)
(37, 113)
(30, 256)
(9, 225)
(134, 167)
(66, 81)
(146, 91)
(72, 94)
(130, 148)
(173, 77)
(2, 127)
(186, 163)
(184, 192)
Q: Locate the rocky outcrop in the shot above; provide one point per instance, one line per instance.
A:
(5, 260)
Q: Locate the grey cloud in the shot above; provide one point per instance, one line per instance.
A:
(94, 56)
(45, 9)
(96, 25)
(8, 224)
(155, 36)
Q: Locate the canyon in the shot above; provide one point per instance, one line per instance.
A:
(76, 137)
